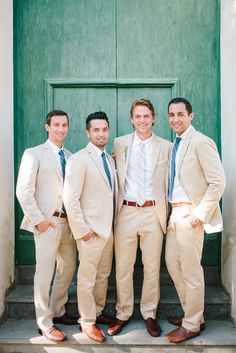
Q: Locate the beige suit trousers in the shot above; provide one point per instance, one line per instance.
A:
(137, 224)
(95, 256)
(184, 246)
(55, 246)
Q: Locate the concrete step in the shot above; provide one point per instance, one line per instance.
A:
(25, 274)
(20, 304)
(20, 336)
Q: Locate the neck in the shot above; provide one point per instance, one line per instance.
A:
(101, 148)
(58, 144)
(144, 136)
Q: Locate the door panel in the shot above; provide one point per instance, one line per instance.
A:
(83, 56)
(79, 103)
(159, 96)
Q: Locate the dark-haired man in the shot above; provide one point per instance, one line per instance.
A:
(39, 191)
(196, 184)
(142, 162)
(89, 196)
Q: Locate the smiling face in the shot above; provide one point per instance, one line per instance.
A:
(142, 119)
(179, 118)
(98, 133)
(58, 129)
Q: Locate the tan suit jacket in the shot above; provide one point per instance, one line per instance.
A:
(88, 197)
(202, 177)
(161, 151)
(39, 186)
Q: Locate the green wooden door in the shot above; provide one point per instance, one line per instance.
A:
(88, 55)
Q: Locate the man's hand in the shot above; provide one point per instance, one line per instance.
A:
(44, 225)
(195, 222)
(90, 235)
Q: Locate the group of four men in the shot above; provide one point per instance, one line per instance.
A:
(97, 196)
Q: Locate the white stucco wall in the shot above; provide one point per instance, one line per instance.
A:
(6, 150)
(228, 122)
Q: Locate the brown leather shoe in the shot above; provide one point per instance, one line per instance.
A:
(53, 333)
(153, 328)
(104, 319)
(177, 321)
(93, 332)
(181, 335)
(65, 320)
(116, 327)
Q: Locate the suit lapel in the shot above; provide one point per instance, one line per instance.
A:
(98, 162)
(156, 151)
(126, 148)
(185, 143)
(53, 160)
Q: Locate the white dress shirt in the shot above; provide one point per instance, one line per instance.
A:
(131, 185)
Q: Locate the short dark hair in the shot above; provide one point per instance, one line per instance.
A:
(182, 100)
(145, 102)
(54, 113)
(96, 116)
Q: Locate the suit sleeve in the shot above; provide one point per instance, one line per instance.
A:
(211, 165)
(25, 188)
(73, 186)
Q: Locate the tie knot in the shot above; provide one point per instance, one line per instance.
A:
(103, 155)
(61, 153)
(178, 139)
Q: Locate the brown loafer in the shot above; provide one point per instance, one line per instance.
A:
(53, 333)
(177, 321)
(93, 332)
(104, 319)
(65, 320)
(181, 335)
(153, 327)
(116, 327)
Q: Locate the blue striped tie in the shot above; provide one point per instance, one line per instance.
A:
(63, 162)
(172, 167)
(105, 165)
(63, 167)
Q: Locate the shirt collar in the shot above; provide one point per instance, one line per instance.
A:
(146, 142)
(55, 148)
(184, 135)
(98, 151)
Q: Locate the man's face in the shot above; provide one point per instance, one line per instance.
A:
(179, 118)
(142, 120)
(98, 132)
(58, 129)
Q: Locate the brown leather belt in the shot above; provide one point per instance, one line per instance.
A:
(179, 204)
(60, 214)
(135, 204)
